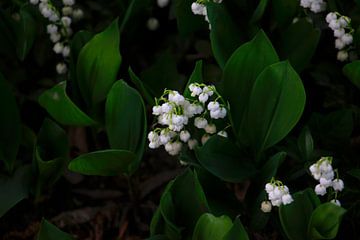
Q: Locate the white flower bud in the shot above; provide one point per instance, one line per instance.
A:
(152, 24)
(266, 206)
(184, 136)
(330, 17)
(78, 14)
(213, 106)
(287, 199)
(68, 2)
(192, 143)
(269, 188)
(198, 9)
(334, 24)
(67, 11)
(157, 110)
(200, 122)
(338, 185)
(58, 47)
(320, 190)
(203, 97)
(66, 21)
(347, 39)
(162, 3)
(210, 128)
(342, 55)
(61, 68)
(34, 2)
(55, 37)
(339, 44)
(339, 32)
(325, 182)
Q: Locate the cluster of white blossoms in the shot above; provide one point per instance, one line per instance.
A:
(315, 6)
(343, 33)
(323, 171)
(175, 113)
(59, 28)
(278, 194)
(199, 8)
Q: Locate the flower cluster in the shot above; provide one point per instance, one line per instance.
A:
(59, 28)
(343, 33)
(199, 8)
(315, 6)
(323, 171)
(278, 194)
(175, 113)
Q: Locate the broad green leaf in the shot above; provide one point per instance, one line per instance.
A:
(77, 43)
(273, 114)
(306, 144)
(141, 87)
(196, 77)
(259, 11)
(225, 36)
(325, 221)
(15, 188)
(49, 231)
(284, 11)
(98, 64)
(10, 126)
(25, 30)
(187, 21)
(298, 43)
(125, 121)
(50, 155)
(103, 163)
(181, 205)
(240, 73)
(62, 109)
(210, 227)
(222, 158)
(352, 72)
(135, 8)
(295, 216)
(237, 232)
(162, 74)
(355, 173)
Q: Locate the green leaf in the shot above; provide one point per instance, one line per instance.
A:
(56, 102)
(125, 121)
(187, 21)
(270, 168)
(141, 87)
(295, 216)
(98, 64)
(181, 205)
(103, 163)
(10, 126)
(156, 79)
(225, 35)
(210, 227)
(259, 11)
(223, 159)
(25, 30)
(240, 73)
(50, 155)
(284, 11)
(325, 221)
(15, 188)
(237, 232)
(273, 114)
(352, 71)
(298, 43)
(196, 77)
(306, 144)
(50, 232)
